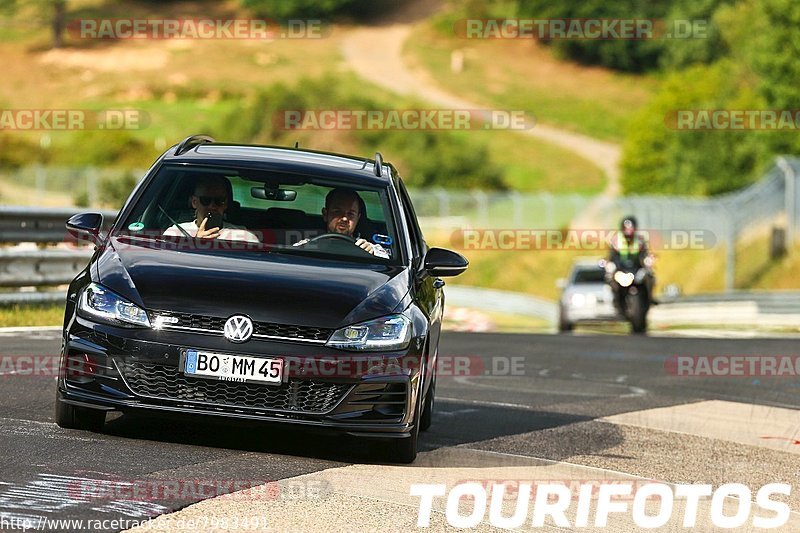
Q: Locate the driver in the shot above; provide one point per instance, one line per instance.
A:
(629, 250)
(341, 214)
(210, 196)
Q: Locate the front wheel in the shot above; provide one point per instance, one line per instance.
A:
(638, 312)
(72, 417)
(564, 325)
(405, 450)
(426, 418)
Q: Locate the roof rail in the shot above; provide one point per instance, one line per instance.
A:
(378, 164)
(191, 141)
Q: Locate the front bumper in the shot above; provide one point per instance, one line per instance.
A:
(594, 312)
(119, 369)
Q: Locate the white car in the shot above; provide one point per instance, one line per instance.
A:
(586, 297)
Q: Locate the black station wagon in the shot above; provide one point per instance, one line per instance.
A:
(263, 283)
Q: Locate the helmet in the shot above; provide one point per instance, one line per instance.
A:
(628, 227)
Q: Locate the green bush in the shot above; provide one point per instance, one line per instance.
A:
(17, 151)
(621, 54)
(315, 9)
(113, 191)
(657, 158)
(680, 53)
(761, 39)
(632, 55)
(429, 158)
(102, 148)
(768, 41)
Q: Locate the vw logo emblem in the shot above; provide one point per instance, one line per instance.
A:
(238, 328)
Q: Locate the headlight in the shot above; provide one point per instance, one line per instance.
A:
(625, 279)
(578, 299)
(101, 304)
(391, 332)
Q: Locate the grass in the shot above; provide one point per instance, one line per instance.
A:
(534, 165)
(521, 74)
(31, 315)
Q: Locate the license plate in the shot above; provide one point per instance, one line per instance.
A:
(228, 367)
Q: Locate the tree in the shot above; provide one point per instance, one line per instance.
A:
(283, 9)
(770, 48)
(54, 10)
(659, 158)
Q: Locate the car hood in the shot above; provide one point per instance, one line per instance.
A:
(269, 287)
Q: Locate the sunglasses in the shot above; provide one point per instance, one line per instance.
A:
(218, 201)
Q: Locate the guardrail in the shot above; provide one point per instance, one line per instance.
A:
(24, 268)
(46, 267)
(41, 225)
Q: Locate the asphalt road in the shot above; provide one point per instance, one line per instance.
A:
(516, 397)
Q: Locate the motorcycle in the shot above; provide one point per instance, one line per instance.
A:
(631, 290)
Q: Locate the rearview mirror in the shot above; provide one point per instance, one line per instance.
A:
(273, 193)
(441, 262)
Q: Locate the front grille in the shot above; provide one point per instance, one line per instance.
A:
(165, 382)
(210, 324)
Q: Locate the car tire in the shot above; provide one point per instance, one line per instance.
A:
(564, 325)
(405, 449)
(72, 417)
(638, 313)
(426, 418)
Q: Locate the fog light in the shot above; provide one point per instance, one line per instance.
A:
(81, 365)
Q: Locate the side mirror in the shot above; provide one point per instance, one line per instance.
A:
(441, 262)
(86, 227)
(561, 283)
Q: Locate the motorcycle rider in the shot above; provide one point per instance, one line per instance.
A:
(629, 251)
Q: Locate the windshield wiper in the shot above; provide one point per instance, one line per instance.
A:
(173, 221)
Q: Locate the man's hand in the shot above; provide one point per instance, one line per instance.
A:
(203, 233)
(366, 246)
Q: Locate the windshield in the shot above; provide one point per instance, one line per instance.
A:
(589, 275)
(228, 209)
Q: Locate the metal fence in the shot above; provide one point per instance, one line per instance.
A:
(61, 185)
